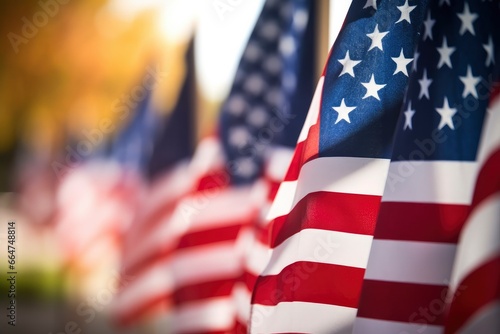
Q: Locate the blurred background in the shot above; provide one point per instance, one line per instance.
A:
(77, 82)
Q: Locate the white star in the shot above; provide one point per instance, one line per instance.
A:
(343, 111)
(445, 52)
(470, 83)
(446, 115)
(275, 97)
(253, 52)
(405, 12)
(370, 3)
(408, 117)
(376, 37)
(441, 2)
(428, 23)
(269, 30)
(372, 88)
(424, 86)
(254, 84)
(348, 65)
(239, 137)
(300, 19)
(236, 105)
(415, 61)
(490, 56)
(273, 64)
(287, 45)
(246, 167)
(257, 117)
(467, 19)
(401, 63)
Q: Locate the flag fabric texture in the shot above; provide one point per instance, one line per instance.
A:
(432, 174)
(474, 289)
(263, 113)
(324, 213)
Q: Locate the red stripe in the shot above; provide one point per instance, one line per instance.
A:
(249, 279)
(147, 225)
(238, 328)
(211, 235)
(328, 211)
(205, 290)
(188, 240)
(421, 221)
(478, 289)
(305, 151)
(295, 165)
(310, 282)
(157, 305)
(488, 181)
(273, 189)
(403, 302)
(495, 95)
(263, 233)
(217, 179)
(148, 261)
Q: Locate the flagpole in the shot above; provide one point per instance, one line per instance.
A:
(322, 29)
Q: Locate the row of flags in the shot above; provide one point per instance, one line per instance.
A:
(370, 205)
(193, 268)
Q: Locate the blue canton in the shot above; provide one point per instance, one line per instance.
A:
(271, 91)
(366, 77)
(456, 65)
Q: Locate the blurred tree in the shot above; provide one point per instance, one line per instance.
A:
(63, 66)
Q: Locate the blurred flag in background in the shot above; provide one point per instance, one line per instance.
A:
(99, 191)
(201, 248)
(149, 240)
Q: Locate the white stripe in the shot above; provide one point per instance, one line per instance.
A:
(208, 315)
(447, 182)
(333, 174)
(312, 114)
(320, 246)
(486, 321)
(257, 258)
(278, 162)
(283, 202)
(141, 288)
(479, 241)
(299, 317)
(242, 298)
(205, 263)
(373, 326)
(410, 261)
(140, 244)
(216, 208)
(196, 213)
(284, 198)
(167, 189)
(190, 266)
(209, 155)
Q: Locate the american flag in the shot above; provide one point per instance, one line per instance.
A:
(325, 211)
(169, 176)
(259, 114)
(432, 172)
(474, 289)
(97, 199)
